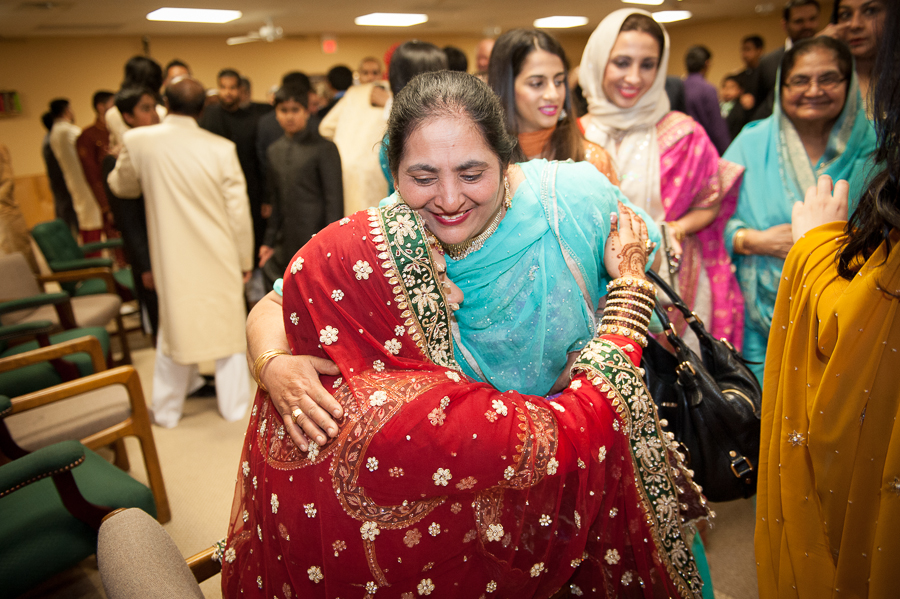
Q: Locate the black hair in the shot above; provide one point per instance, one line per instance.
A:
(229, 73)
(244, 82)
(447, 94)
(822, 42)
(756, 40)
(340, 78)
(456, 59)
(297, 93)
(696, 58)
(734, 78)
(47, 120)
(58, 107)
(641, 22)
(143, 72)
(176, 63)
(509, 54)
(792, 4)
(411, 58)
(296, 78)
(101, 97)
(186, 97)
(129, 97)
(878, 213)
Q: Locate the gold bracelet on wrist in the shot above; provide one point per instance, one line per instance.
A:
(631, 282)
(614, 311)
(619, 302)
(677, 229)
(625, 332)
(633, 299)
(261, 361)
(633, 324)
(737, 242)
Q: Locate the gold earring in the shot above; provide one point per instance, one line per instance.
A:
(507, 202)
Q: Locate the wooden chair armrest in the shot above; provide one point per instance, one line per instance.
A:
(122, 375)
(68, 276)
(202, 564)
(88, 344)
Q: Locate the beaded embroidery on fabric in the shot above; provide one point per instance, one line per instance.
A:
(604, 362)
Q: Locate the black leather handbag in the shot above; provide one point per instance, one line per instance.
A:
(711, 404)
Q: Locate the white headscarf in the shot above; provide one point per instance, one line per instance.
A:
(637, 155)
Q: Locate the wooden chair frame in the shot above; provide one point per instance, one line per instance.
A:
(98, 272)
(136, 425)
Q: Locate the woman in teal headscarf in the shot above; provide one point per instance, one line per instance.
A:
(819, 127)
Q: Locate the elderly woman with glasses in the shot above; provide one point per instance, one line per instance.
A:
(819, 127)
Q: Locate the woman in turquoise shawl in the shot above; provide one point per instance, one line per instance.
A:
(819, 127)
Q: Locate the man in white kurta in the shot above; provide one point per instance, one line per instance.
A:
(357, 127)
(63, 136)
(201, 250)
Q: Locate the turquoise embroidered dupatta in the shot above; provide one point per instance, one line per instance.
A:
(523, 309)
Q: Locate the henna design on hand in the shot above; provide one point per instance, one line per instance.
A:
(633, 259)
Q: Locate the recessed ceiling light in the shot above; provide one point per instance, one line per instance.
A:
(670, 16)
(560, 22)
(390, 19)
(645, 2)
(194, 15)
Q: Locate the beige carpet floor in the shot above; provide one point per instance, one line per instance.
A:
(200, 461)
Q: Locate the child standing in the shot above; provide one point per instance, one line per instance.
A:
(304, 184)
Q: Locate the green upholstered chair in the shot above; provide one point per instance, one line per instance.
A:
(101, 409)
(53, 501)
(31, 376)
(23, 300)
(137, 558)
(64, 255)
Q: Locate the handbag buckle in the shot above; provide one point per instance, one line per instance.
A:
(741, 466)
(693, 316)
(685, 366)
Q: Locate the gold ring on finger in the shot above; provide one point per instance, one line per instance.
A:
(297, 413)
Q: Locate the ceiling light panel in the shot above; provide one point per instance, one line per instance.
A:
(390, 19)
(194, 15)
(644, 2)
(670, 16)
(559, 22)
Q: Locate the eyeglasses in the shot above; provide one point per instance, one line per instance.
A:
(825, 82)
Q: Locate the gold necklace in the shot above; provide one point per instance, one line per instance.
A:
(458, 251)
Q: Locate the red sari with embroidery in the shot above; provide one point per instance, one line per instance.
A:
(436, 485)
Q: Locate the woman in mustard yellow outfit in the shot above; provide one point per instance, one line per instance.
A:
(828, 510)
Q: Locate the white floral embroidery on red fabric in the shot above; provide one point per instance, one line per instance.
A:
(337, 295)
(392, 346)
(441, 477)
(328, 335)
(362, 270)
(296, 266)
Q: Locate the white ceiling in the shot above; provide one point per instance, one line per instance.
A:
(30, 18)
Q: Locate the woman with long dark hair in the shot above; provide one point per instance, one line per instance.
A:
(828, 509)
(529, 72)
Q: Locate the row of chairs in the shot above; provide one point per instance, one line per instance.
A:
(60, 400)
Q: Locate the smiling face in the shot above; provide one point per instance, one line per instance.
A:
(540, 91)
(814, 105)
(451, 177)
(631, 68)
(862, 21)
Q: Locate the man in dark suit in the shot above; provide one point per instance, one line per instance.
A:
(800, 21)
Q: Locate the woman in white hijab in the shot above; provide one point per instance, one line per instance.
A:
(665, 161)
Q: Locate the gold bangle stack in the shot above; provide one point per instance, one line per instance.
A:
(737, 242)
(261, 361)
(628, 309)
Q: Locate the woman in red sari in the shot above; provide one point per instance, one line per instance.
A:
(436, 485)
